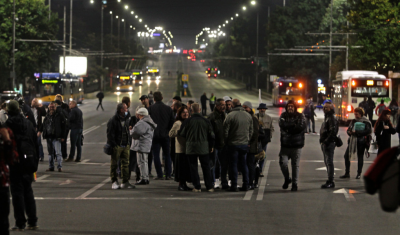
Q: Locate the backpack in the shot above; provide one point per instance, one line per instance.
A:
(28, 157)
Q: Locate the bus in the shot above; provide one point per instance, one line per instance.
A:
(137, 76)
(48, 85)
(125, 82)
(350, 88)
(285, 89)
(212, 72)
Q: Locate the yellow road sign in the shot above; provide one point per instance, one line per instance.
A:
(185, 77)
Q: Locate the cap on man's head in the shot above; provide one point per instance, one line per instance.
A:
(13, 107)
(143, 97)
(177, 98)
(227, 98)
(143, 112)
(248, 104)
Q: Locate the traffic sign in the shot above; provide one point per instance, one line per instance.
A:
(185, 85)
(185, 77)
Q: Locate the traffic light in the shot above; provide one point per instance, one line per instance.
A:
(252, 62)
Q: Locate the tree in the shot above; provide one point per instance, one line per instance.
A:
(32, 23)
(376, 23)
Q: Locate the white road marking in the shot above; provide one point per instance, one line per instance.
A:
(261, 188)
(348, 194)
(324, 169)
(38, 179)
(103, 123)
(90, 130)
(67, 182)
(92, 190)
(83, 161)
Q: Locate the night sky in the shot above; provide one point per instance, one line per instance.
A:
(184, 18)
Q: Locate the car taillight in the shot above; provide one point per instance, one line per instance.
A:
(280, 84)
(280, 101)
(349, 108)
(215, 75)
(300, 101)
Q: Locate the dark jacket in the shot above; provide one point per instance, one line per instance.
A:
(254, 136)
(54, 126)
(20, 126)
(361, 135)
(217, 121)
(292, 129)
(76, 119)
(198, 134)
(115, 129)
(384, 136)
(163, 116)
(28, 114)
(100, 95)
(329, 128)
(41, 112)
(203, 100)
(238, 127)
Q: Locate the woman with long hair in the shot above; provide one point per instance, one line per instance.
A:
(394, 109)
(383, 130)
(182, 168)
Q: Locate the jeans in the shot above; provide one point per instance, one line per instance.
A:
(205, 167)
(216, 171)
(64, 146)
(54, 148)
(310, 119)
(4, 210)
(284, 156)
(251, 165)
(142, 162)
(100, 105)
(328, 150)
(261, 163)
(76, 140)
(120, 153)
(23, 199)
(237, 159)
(360, 158)
(204, 110)
(163, 143)
(41, 153)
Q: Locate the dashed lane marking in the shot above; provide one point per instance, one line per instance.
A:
(137, 198)
(92, 190)
(103, 123)
(261, 188)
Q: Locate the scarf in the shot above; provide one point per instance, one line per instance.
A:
(353, 138)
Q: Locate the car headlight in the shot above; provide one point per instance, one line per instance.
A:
(118, 88)
(130, 88)
(71, 99)
(148, 78)
(140, 82)
(40, 101)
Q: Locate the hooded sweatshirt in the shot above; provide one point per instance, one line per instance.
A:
(142, 134)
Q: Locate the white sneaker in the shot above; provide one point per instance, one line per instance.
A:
(216, 184)
(115, 185)
(127, 185)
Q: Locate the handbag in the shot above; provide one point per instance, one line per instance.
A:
(107, 149)
(338, 141)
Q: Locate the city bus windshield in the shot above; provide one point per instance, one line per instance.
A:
(285, 89)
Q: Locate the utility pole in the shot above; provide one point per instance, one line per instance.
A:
(102, 33)
(330, 47)
(118, 44)
(49, 9)
(65, 37)
(111, 28)
(13, 49)
(268, 68)
(257, 63)
(70, 29)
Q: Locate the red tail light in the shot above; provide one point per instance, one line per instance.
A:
(280, 101)
(209, 69)
(387, 83)
(215, 75)
(280, 84)
(350, 108)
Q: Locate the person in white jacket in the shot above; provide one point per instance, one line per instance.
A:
(142, 134)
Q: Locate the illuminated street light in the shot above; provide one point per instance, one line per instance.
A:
(116, 17)
(237, 15)
(244, 8)
(253, 2)
(122, 20)
(140, 20)
(223, 25)
(91, 1)
(145, 25)
(136, 16)
(126, 6)
(131, 26)
(119, 0)
(132, 12)
(110, 12)
(231, 18)
(219, 26)
(227, 21)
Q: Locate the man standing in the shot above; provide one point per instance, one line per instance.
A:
(65, 111)
(144, 100)
(364, 105)
(163, 116)
(39, 112)
(142, 134)
(238, 129)
(266, 122)
(76, 123)
(212, 102)
(203, 100)
(199, 143)
(329, 130)
(21, 180)
(228, 103)
(100, 96)
(217, 118)
(253, 145)
(292, 124)
(151, 98)
(309, 114)
(54, 129)
(119, 139)
(26, 110)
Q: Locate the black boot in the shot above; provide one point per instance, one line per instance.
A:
(328, 184)
(358, 176)
(287, 182)
(345, 176)
(294, 187)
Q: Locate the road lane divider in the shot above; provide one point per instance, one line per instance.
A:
(261, 188)
(92, 190)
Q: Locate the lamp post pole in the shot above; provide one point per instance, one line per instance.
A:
(257, 63)
(13, 49)
(70, 28)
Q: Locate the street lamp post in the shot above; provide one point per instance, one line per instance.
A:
(70, 29)
(118, 42)
(102, 45)
(13, 48)
(111, 27)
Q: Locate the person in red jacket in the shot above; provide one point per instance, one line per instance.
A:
(379, 109)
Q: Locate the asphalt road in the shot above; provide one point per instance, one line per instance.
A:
(80, 199)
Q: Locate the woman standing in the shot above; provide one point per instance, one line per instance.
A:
(383, 130)
(394, 109)
(182, 168)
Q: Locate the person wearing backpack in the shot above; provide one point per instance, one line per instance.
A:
(21, 173)
(309, 113)
(328, 133)
(379, 109)
(54, 129)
